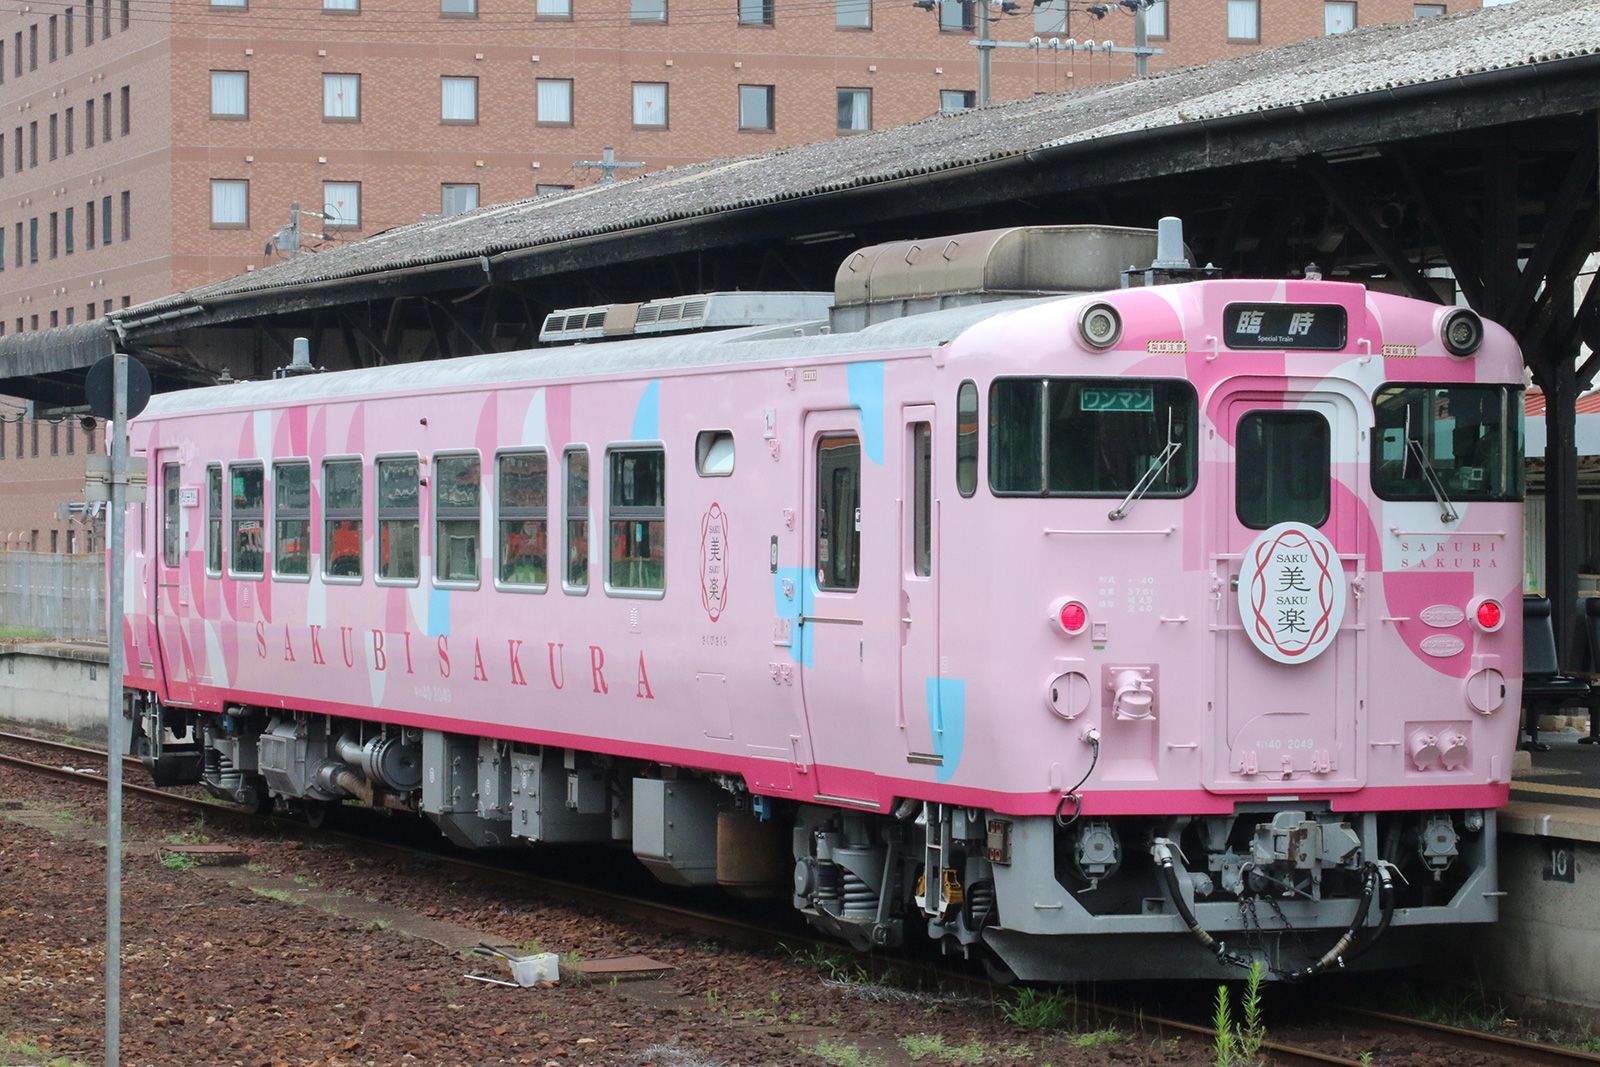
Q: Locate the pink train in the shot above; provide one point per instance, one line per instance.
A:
(1005, 597)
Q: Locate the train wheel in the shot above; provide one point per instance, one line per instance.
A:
(316, 812)
(995, 969)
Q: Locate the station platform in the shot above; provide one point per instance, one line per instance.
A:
(1556, 793)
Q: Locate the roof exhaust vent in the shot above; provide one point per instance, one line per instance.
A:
(1171, 262)
(299, 362)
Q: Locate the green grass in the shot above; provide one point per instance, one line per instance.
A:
(1110, 1035)
(282, 896)
(839, 1054)
(177, 861)
(16, 1050)
(21, 633)
(1033, 1009)
(934, 1048)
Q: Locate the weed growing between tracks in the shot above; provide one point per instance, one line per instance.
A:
(1239, 1044)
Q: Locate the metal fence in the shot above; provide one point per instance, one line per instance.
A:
(53, 596)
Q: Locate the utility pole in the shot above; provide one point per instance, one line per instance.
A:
(287, 239)
(607, 165)
(985, 52)
(1141, 41)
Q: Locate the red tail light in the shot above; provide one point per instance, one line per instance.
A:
(1489, 615)
(1074, 617)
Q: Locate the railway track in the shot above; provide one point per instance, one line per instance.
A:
(1371, 1024)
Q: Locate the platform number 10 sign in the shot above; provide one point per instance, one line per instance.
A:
(1561, 862)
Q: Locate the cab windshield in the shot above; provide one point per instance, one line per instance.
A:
(1469, 437)
(1091, 436)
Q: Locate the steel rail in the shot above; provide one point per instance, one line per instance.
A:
(750, 934)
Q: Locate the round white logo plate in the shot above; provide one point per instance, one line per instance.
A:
(1291, 592)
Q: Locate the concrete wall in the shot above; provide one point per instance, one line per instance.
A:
(62, 596)
(53, 686)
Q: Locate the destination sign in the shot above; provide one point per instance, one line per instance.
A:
(1318, 327)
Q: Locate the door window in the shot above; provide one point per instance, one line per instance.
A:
(921, 499)
(169, 520)
(839, 512)
(1283, 468)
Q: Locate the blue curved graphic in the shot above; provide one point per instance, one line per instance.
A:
(865, 381)
(947, 719)
(647, 416)
(804, 584)
(439, 613)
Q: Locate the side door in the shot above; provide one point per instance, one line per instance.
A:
(172, 592)
(831, 623)
(920, 717)
(1288, 558)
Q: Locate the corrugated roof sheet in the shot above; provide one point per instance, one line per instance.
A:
(1534, 403)
(1368, 60)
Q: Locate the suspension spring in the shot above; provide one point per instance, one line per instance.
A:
(860, 899)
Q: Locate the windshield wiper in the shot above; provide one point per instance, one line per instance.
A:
(1447, 510)
(1142, 486)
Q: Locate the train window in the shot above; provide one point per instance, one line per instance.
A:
(1283, 468)
(214, 519)
(246, 510)
(457, 514)
(921, 499)
(1091, 437)
(171, 513)
(576, 579)
(522, 482)
(967, 439)
(636, 515)
(291, 518)
(839, 512)
(398, 517)
(1467, 438)
(341, 518)
(713, 453)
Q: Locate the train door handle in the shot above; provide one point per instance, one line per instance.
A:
(906, 619)
(1233, 584)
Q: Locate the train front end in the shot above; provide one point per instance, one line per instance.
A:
(1265, 544)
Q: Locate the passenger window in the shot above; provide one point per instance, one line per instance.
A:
(341, 518)
(1091, 437)
(456, 512)
(921, 499)
(636, 513)
(967, 439)
(839, 512)
(214, 519)
(522, 481)
(171, 514)
(291, 497)
(713, 453)
(249, 538)
(1465, 438)
(398, 516)
(1282, 461)
(577, 516)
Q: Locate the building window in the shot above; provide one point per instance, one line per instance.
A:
(523, 485)
(105, 116)
(55, 234)
(88, 124)
(69, 238)
(636, 513)
(341, 518)
(1426, 11)
(553, 101)
(650, 104)
(126, 13)
(291, 499)
(55, 30)
(852, 14)
(66, 38)
(457, 511)
(1050, 17)
(648, 10)
(755, 12)
(33, 144)
(855, 110)
(105, 220)
(953, 100)
(343, 7)
(454, 199)
(575, 509)
(68, 133)
(89, 230)
(543, 189)
(1338, 16)
(755, 107)
(55, 136)
(341, 205)
(957, 16)
(213, 517)
(1155, 19)
(458, 100)
(230, 203)
(552, 9)
(459, 8)
(88, 22)
(33, 240)
(398, 492)
(249, 545)
(1244, 20)
(126, 98)
(127, 220)
(72, 316)
(241, 4)
(341, 98)
(33, 47)
(838, 546)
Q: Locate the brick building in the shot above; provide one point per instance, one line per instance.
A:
(147, 148)
(41, 469)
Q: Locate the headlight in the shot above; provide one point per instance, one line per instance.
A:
(1099, 325)
(1462, 332)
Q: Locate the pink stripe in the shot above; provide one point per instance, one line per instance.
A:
(849, 787)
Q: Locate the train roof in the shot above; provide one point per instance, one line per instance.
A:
(751, 345)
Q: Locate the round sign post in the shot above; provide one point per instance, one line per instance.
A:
(1291, 592)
